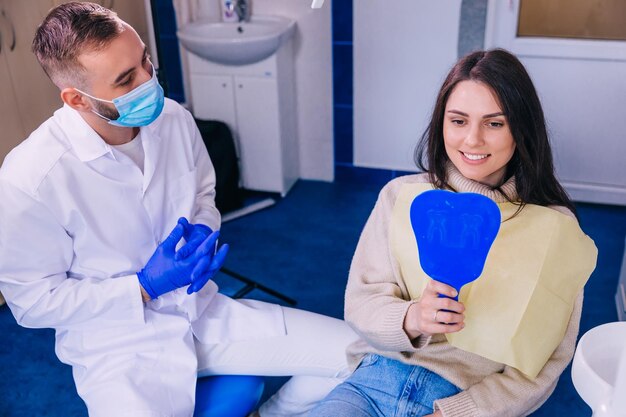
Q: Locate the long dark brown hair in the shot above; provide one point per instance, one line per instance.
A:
(532, 162)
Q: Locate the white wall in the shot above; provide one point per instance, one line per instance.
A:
(313, 73)
(401, 56)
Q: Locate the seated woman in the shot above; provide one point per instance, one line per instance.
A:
(500, 349)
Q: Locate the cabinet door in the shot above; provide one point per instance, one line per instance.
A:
(37, 98)
(12, 130)
(212, 98)
(132, 12)
(259, 133)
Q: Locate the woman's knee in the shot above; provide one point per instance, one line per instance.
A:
(341, 408)
(345, 400)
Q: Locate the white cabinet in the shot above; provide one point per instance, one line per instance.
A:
(28, 96)
(259, 133)
(257, 102)
(12, 128)
(214, 98)
(132, 12)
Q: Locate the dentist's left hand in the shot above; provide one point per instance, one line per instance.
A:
(164, 273)
(195, 234)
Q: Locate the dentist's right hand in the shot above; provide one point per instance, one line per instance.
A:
(163, 273)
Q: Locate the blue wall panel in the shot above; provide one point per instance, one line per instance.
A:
(170, 72)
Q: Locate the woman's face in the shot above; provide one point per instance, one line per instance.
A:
(476, 133)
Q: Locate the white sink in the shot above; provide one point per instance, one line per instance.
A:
(599, 369)
(236, 43)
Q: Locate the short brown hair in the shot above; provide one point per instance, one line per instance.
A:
(66, 32)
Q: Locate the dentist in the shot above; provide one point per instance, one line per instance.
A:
(108, 234)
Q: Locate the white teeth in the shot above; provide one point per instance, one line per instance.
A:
(474, 157)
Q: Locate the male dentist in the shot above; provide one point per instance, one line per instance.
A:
(108, 234)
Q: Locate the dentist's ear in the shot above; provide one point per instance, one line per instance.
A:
(75, 100)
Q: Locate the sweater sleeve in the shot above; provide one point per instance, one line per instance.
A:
(511, 393)
(374, 305)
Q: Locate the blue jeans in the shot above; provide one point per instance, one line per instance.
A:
(386, 388)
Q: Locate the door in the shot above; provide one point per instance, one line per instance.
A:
(575, 52)
(36, 97)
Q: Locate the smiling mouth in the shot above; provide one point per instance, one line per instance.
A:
(474, 156)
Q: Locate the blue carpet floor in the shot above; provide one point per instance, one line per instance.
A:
(301, 247)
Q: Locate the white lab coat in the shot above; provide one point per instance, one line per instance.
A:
(77, 221)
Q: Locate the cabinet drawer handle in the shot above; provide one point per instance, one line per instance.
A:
(13, 40)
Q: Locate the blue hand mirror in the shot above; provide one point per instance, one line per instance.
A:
(454, 233)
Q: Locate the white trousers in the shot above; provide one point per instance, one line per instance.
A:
(313, 352)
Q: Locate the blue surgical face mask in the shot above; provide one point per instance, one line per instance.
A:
(138, 107)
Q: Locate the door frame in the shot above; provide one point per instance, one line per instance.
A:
(501, 29)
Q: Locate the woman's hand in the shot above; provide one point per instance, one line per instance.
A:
(433, 314)
(435, 414)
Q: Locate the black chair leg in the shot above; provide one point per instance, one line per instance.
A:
(251, 285)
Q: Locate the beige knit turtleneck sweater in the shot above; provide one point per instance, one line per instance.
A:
(377, 301)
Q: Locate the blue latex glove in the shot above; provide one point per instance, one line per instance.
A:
(207, 268)
(163, 273)
(195, 234)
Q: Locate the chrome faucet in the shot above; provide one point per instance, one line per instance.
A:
(242, 8)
